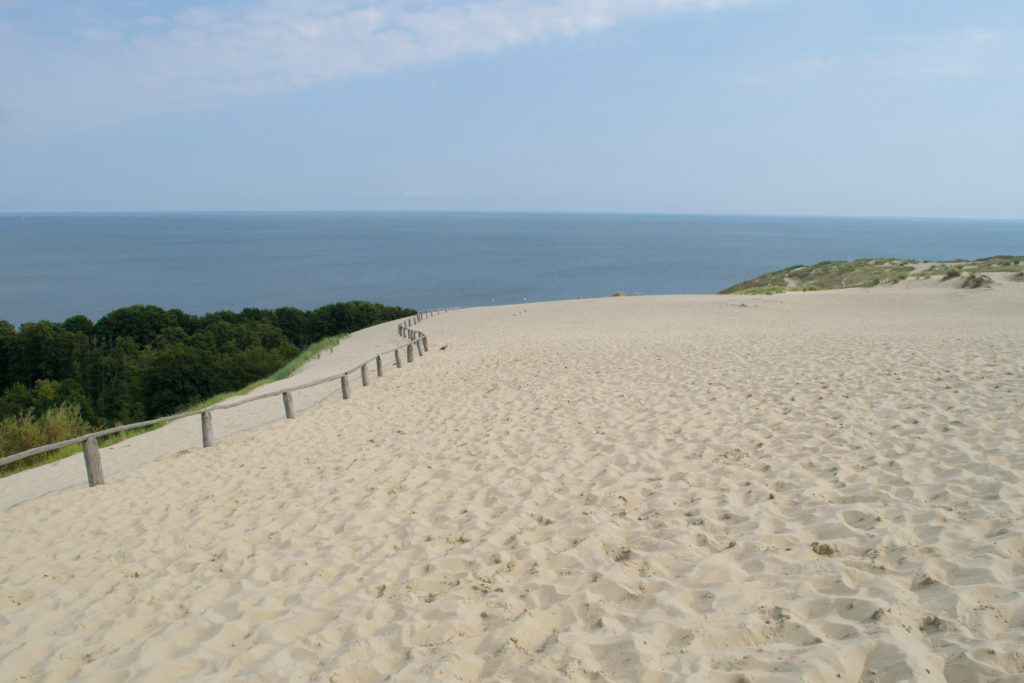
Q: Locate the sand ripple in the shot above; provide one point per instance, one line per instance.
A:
(817, 487)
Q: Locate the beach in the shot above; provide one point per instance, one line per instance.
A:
(820, 486)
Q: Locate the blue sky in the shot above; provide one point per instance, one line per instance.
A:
(826, 107)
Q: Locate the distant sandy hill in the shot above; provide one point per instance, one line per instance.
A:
(870, 272)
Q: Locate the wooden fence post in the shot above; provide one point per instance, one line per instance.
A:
(93, 464)
(207, 429)
(380, 366)
(408, 353)
(419, 346)
(365, 372)
(344, 386)
(289, 407)
(424, 338)
(398, 358)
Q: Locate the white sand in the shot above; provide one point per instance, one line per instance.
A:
(822, 486)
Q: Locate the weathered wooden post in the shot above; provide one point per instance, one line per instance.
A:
(424, 338)
(380, 366)
(207, 429)
(419, 345)
(289, 407)
(408, 352)
(344, 386)
(398, 358)
(365, 372)
(93, 464)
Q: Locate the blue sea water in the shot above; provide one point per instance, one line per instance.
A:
(53, 266)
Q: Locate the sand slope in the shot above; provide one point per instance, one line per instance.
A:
(824, 486)
(187, 433)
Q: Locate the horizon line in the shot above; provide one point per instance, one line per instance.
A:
(6, 214)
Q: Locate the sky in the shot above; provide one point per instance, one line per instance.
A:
(786, 107)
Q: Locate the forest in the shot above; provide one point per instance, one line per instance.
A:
(143, 362)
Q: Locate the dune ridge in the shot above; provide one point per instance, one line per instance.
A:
(821, 486)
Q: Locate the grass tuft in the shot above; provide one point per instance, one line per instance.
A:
(976, 280)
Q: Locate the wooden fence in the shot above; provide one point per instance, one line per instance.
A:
(416, 346)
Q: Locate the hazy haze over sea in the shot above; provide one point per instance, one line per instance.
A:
(53, 266)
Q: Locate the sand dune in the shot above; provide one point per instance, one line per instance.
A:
(820, 486)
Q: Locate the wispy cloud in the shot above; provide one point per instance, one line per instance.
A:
(94, 64)
(967, 52)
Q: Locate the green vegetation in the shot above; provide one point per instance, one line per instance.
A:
(285, 371)
(975, 280)
(872, 272)
(769, 290)
(992, 264)
(29, 429)
(826, 275)
(60, 380)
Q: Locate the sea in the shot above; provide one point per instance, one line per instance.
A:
(56, 265)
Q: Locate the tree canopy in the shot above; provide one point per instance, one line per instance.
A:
(142, 362)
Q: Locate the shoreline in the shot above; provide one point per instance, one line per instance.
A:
(823, 484)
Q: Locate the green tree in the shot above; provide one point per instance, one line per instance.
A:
(142, 324)
(175, 377)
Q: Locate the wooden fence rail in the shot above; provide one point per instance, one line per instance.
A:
(90, 442)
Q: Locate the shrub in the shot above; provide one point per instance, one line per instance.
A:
(29, 429)
(975, 280)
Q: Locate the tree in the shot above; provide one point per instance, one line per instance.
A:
(175, 377)
(142, 324)
(292, 322)
(7, 335)
(78, 323)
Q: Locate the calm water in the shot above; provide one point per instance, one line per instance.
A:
(53, 266)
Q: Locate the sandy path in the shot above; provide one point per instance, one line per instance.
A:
(821, 486)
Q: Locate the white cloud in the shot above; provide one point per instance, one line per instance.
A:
(205, 53)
